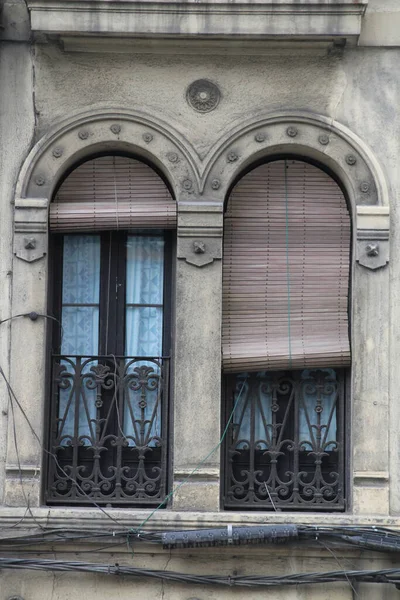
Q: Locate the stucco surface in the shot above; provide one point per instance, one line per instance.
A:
(16, 125)
(158, 83)
(358, 87)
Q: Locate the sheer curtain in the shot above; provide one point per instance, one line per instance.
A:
(144, 324)
(80, 326)
(313, 410)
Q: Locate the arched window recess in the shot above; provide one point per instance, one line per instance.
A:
(285, 337)
(111, 221)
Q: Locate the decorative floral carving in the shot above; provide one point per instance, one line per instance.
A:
(40, 180)
(203, 95)
(187, 185)
(30, 243)
(260, 137)
(364, 187)
(173, 157)
(215, 184)
(292, 131)
(199, 247)
(351, 159)
(232, 156)
(372, 249)
(147, 137)
(115, 128)
(83, 134)
(57, 152)
(324, 139)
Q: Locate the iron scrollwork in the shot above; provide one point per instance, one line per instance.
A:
(109, 430)
(285, 445)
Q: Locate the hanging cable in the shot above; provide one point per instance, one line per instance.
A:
(288, 262)
(172, 492)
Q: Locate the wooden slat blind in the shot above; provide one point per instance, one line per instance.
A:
(112, 192)
(286, 270)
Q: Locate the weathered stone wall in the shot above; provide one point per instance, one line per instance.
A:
(45, 82)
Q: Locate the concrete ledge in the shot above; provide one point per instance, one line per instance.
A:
(381, 29)
(92, 518)
(316, 19)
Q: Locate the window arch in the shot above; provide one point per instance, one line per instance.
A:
(111, 220)
(287, 234)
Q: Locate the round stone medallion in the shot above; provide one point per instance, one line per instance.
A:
(203, 95)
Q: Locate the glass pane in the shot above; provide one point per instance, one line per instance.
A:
(253, 400)
(81, 269)
(144, 328)
(318, 413)
(142, 415)
(144, 269)
(285, 446)
(80, 333)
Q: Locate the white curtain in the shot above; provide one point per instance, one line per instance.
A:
(80, 326)
(261, 392)
(144, 325)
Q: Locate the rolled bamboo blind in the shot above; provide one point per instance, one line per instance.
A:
(112, 192)
(286, 270)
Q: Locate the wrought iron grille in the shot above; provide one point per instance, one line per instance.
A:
(108, 439)
(285, 443)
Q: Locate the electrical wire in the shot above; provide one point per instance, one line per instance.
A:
(135, 531)
(388, 576)
(12, 397)
(173, 491)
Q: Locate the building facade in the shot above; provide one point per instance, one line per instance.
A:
(188, 131)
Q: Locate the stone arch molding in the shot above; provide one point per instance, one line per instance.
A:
(205, 180)
(326, 141)
(80, 137)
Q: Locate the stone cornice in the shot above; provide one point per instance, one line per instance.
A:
(259, 19)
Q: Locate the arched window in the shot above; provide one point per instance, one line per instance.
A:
(111, 221)
(285, 334)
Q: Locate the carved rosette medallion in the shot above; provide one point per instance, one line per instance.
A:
(232, 157)
(83, 134)
(115, 128)
(173, 157)
(147, 137)
(260, 137)
(203, 95)
(58, 152)
(324, 139)
(351, 159)
(187, 185)
(292, 131)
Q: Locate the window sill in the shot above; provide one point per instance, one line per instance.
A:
(94, 519)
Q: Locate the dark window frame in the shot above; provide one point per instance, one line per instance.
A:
(226, 379)
(113, 250)
(344, 426)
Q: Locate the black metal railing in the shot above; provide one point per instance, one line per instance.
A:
(108, 441)
(285, 443)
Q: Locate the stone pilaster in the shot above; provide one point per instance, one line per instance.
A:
(24, 453)
(197, 372)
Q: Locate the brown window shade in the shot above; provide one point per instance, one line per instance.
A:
(286, 270)
(112, 192)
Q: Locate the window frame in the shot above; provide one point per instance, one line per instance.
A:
(227, 385)
(226, 378)
(54, 335)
